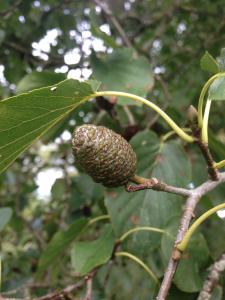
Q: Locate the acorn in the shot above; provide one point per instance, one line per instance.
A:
(103, 154)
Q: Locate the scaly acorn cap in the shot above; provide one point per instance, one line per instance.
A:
(105, 155)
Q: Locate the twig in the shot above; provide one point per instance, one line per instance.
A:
(29, 285)
(89, 280)
(106, 279)
(62, 293)
(191, 202)
(212, 279)
(107, 11)
(212, 171)
(5, 14)
(164, 87)
(53, 60)
(2, 298)
(167, 98)
(155, 184)
(129, 114)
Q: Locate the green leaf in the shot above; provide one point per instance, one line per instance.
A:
(188, 275)
(59, 243)
(127, 280)
(37, 80)
(208, 63)
(88, 255)
(24, 118)
(80, 195)
(176, 294)
(221, 60)
(215, 242)
(217, 147)
(217, 89)
(217, 293)
(190, 271)
(108, 40)
(197, 165)
(5, 216)
(168, 163)
(59, 188)
(123, 71)
(95, 85)
(2, 36)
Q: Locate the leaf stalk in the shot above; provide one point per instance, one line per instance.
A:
(220, 164)
(184, 243)
(153, 106)
(141, 228)
(140, 262)
(202, 96)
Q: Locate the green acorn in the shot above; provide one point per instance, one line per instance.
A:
(105, 155)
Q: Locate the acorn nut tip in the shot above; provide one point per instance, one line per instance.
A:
(103, 154)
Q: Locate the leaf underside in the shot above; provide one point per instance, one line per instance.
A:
(26, 117)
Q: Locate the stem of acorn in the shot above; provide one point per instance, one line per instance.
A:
(138, 179)
(150, 104)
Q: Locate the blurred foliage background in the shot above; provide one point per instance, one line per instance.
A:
(152, 49)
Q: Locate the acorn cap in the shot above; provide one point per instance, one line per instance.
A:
(105, 155)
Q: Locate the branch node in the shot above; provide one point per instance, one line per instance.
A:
(212, 171)
(156, 185)
(176, 254)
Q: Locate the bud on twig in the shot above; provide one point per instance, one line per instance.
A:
(192, 115)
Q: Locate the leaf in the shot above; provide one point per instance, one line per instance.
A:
(176, 294)
(95, 85)
(5, 216)
(217, 147)
(221, 60)
(208, 63)
(59, 128)
(36, 80)
(80, 195)
(197, 166)
(190, 271)
(124, 71)
(168, 163)
(217, 293)
(26, 117)
(108, 40)
(187, 278)
(88, 255)
(2, 36)
(59, 243)
(217, 89)
(59, 188)
(15, 68)
(215, 243)
(188, 275)
(127, 280)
